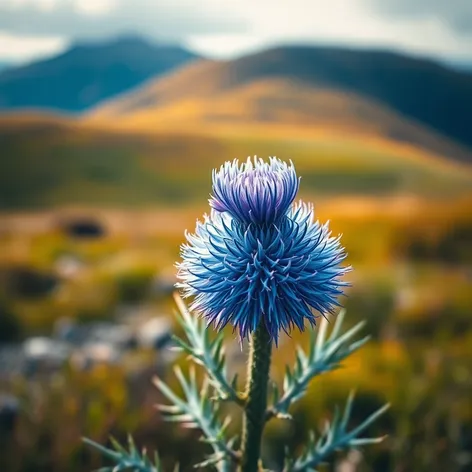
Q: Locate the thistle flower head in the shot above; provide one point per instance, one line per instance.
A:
(261, 259)
(254, 192)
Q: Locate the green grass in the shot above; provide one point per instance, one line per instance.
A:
(60, 166)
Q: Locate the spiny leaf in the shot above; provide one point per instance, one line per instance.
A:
(324, 354)
(197, 411)
(126, 460)
(334, 437)
(206, 352)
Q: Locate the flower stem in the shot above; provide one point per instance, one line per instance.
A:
(256, 394)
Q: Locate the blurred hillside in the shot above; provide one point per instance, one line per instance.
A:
(370, 85)
(404, 98)
(462, 65)
(53, 162)
(87, 73)
(354, 122)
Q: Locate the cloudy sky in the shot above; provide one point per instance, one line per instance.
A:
(225, 28)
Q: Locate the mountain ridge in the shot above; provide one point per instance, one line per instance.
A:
(87, 73)
(420, 90)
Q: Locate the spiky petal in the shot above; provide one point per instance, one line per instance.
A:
(255, 191)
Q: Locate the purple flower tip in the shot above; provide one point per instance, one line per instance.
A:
(255, 191)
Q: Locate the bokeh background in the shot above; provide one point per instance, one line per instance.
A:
(113, 114)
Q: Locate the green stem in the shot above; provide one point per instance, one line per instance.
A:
(256, 394)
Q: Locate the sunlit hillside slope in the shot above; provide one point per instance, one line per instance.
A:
(404, 98)
(55, 162)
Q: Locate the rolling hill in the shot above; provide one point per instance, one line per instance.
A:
(338, 114)
(414, 100)
(51, 162)
(87, 74)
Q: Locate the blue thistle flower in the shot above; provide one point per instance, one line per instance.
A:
(258, 258)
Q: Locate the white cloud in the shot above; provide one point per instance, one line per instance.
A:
(23, 48)
(226, 27)
(170, 19)
(43, 5)
(346, 22)
(456, 14)
(95, 7)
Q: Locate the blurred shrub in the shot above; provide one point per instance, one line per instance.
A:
(375, 305)
(27, 282)
(453, 245)
(10, 325)
(450, 320)
(364, 181)
(134, 286)
(82, 227)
